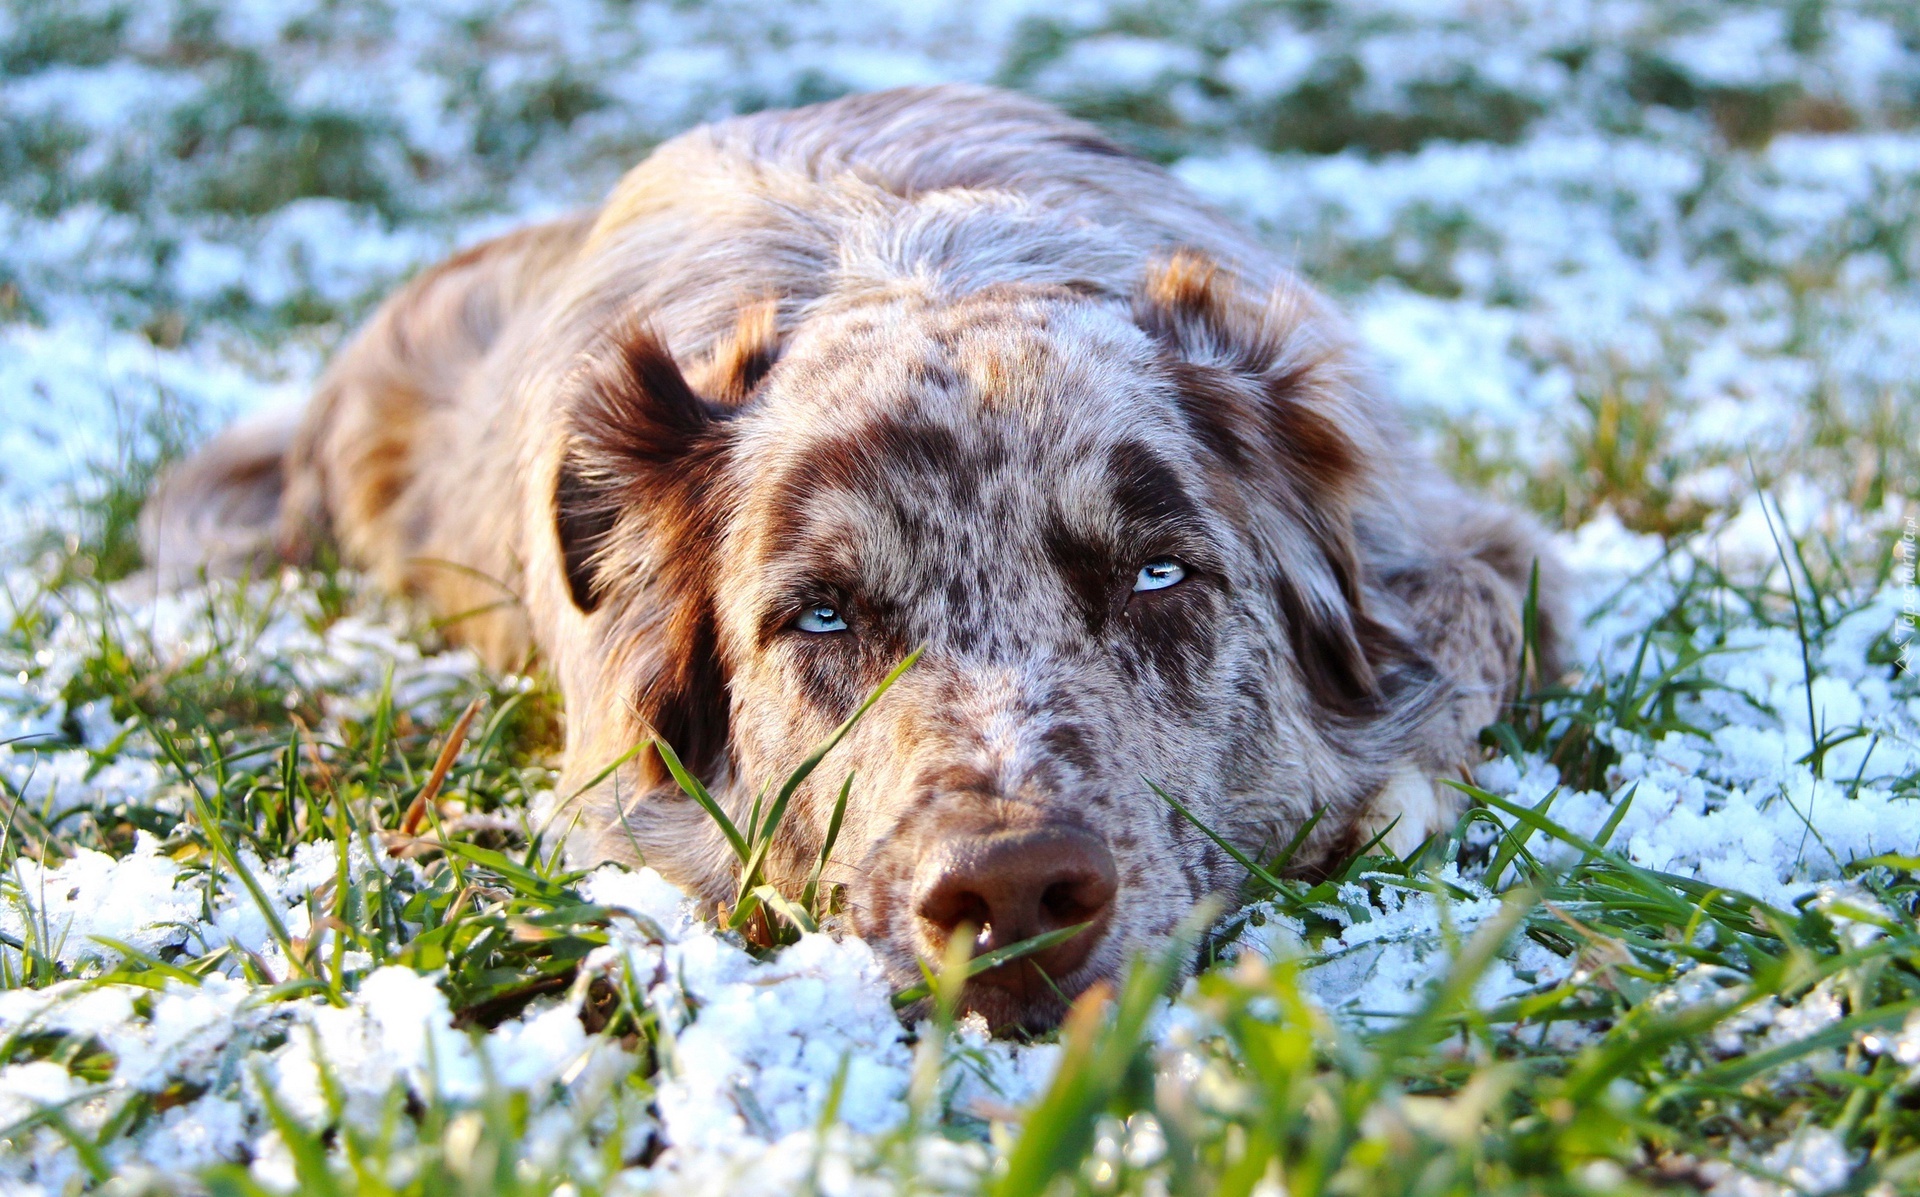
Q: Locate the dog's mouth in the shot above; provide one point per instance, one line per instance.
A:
(1018, 995)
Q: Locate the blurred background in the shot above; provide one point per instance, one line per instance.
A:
(1605, 250)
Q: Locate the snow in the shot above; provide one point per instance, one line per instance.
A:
(398, 1031)
(1814, 1161)
(76, 391)
(65, 910)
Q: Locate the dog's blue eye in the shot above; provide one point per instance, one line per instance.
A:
(820, 619)
(1158, 575)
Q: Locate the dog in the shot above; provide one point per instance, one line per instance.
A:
(934, 368)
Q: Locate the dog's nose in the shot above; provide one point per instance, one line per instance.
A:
(1014, 884)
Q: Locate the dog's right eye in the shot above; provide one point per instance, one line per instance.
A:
(820, 619)
(1159, 574)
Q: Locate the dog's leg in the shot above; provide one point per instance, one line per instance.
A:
(1466, 613)
(1410, 807)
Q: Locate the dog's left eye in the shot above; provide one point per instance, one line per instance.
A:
(820, 619)
(1158, 575)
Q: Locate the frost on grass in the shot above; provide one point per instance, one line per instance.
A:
(1646, 268)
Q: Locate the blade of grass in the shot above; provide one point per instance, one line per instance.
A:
(1285, 856)
(810, 895)
(994, 959)
(222, 850)
(690, 785)
(1246, 862)
(1515, 841)
(763, 835)
(417, 810)
(794, 913)
(1612, 824)
(1100, 1053)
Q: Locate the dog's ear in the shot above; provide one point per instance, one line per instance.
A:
(639, 504)
(636, 433)
(1265, 389)
(1259, 378)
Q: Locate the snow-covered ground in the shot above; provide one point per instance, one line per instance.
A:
(1653, 269)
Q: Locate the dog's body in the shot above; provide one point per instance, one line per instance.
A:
(933, 367)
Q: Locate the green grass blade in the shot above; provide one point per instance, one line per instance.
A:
(224, 852)
(763, 834)
(1246, 862)
(1614, 818)
(1285, 856)
(809, 896)
(1515, 841)
(1101, 1051)
(994, 959)
(691, 786)
(795, 914)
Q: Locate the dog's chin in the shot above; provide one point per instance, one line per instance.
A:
(1013, 998)
(1034, 1011)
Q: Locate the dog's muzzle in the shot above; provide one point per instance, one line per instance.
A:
(1009, 884)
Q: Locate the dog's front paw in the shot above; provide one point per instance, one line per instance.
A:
(1410, 807)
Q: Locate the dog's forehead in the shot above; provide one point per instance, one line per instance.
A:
(968, 419)
(1042, 354)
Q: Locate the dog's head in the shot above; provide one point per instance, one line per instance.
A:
(1125, 535)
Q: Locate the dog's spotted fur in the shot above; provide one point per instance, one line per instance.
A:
(956, 366)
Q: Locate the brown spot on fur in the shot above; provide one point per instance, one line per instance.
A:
(1316, 447)
(1148, 494)
(1068, 742)
(1180, 289)
(1170, 641)
(1354, 665)
(1229, 361)
(583, 524)
(1328, 652)
(634, 422)
(882, 457)
(742, 361)
(685, 703)
(955, 779)
(1154, 515)
(1214, 409)
(1089, 571)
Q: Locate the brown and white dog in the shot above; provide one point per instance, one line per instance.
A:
(933, 367)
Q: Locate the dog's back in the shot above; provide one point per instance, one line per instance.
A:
(272, 488)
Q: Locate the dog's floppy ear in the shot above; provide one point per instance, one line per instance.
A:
(639, 502)
(639, 429)
(634, 421)
(1264, 388)
(634, 427)
(1287, 380)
